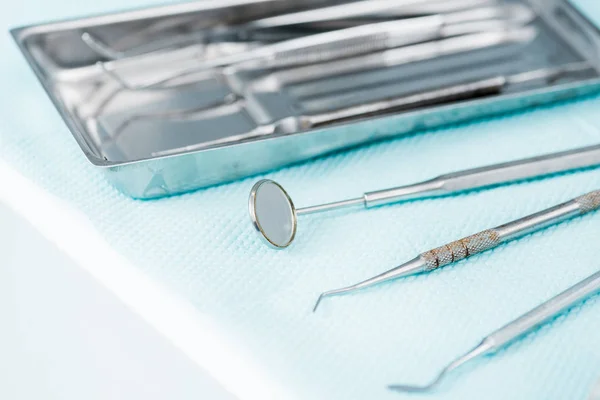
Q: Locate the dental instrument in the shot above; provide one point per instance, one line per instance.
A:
(281, 122)
(362, 8)
(390, 58)
(344, 43)
(517, 329)
(269, 29)
(275, 217)
(479, 242)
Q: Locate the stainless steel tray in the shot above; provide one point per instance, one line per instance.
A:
(150, 147)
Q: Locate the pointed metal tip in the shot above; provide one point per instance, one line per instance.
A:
(100, 47)
(343, 290)
(425, 388)
(331, 293)
(482, 348)
(318, 302)
(409, 388)
(416, 388)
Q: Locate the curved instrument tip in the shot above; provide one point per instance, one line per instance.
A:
(416, 388)
(342, 291)
(431, 385)
(100, 47)
(480, 349)
(409, 388)
(331, 293)
(318, 302)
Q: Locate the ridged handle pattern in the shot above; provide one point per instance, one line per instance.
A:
(460, 249)
(321, 52)
(589, 202)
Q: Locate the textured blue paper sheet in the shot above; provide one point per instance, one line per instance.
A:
(201, 246)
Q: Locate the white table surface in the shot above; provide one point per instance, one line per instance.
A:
(65, 336)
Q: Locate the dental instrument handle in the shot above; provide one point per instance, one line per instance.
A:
(368, 8)
(388, 8)
(459, 92)
(342, 11)
(331, 45)
(349, 42)
(478, 243)
(492, 175)
(324, 47)
(462, 91)
(476, 178)
(546, 311)
(386, 35)
(404, 55)
(365, 39)
(488, 239)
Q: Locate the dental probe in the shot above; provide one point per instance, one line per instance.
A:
(275, 217)
(480, 242)
(517, 328)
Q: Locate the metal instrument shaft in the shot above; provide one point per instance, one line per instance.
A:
(479, 242)
(349, 42)
(517, 328)
(269, 29)
(471, 179)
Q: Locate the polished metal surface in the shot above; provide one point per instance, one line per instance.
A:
(518, 328)
(479, 242)
(271, 111)
(262, 123)
(362, 8)
(220, 124)
(257, 30)
(343, 43)
(476, 178)
(272, 213)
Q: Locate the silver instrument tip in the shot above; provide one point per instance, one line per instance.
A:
(418, 389)
(481, 349)
(412, 267)
(333, 293)
(318, 302)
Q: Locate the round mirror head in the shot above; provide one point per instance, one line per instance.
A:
(273, 213)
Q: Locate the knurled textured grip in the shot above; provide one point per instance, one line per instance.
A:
(460, 249)
(589, 202)
(341, 48)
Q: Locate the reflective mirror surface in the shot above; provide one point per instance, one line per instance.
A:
(273, 213)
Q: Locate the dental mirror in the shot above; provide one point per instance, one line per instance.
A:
(276, 218)
(273, 213)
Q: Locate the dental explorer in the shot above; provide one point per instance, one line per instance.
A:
(480, 242)
(274, 215)
(517, 328)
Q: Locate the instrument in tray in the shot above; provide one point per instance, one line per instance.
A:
(274, 28)
(254, 104)
(170, 99)
(349, 42)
